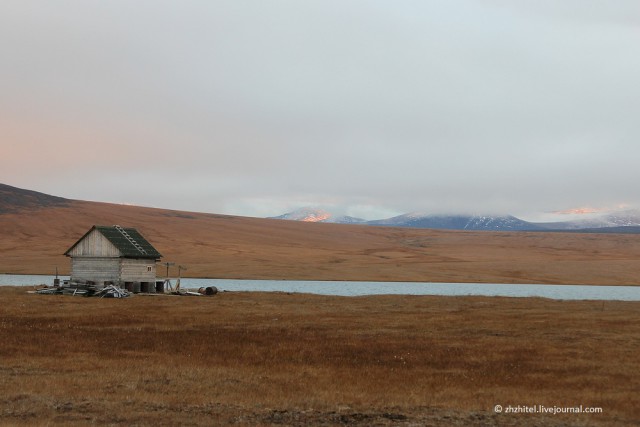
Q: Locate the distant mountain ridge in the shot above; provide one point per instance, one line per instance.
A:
(626, 218)
(458, 222)
(312, 214)
(618, 222)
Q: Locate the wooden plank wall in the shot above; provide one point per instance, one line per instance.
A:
(137, 270)
(95, 269)
(95, 245)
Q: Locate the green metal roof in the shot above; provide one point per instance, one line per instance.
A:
(128, 241)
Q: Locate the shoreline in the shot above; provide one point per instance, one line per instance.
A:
(352, 281)
(353, 288)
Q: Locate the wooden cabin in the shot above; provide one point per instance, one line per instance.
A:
(113, 255)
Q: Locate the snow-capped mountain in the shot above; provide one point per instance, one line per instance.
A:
(457, 222)
(312, 214)
(345, 219)
(306, 214)
(625, 218)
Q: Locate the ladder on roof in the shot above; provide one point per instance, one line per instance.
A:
(130, 239)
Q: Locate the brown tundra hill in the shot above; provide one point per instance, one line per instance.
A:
(36, 229)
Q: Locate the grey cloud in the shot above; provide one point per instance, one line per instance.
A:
(389, 106)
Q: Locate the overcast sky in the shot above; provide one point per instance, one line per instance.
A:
(257, 107)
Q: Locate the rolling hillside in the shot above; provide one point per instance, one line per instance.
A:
(34, 235)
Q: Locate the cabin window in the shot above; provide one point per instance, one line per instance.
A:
(149, 268)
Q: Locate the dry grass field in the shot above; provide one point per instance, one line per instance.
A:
(296, 359)
(34, 239)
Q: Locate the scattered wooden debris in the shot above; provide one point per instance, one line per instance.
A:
(208, 291)
(88, 290)
(185, 293)
(112, 292)
(49, 291)
(77, 291)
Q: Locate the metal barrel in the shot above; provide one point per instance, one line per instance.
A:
(151, 287)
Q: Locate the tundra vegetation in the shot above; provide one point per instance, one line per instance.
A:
(297, 359)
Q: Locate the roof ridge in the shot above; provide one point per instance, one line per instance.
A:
(129, 242)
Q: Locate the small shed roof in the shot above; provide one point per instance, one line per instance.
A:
(128, 241)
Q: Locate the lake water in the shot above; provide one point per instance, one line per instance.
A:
(562, 292)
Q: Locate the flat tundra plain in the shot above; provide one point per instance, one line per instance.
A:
(241, 358)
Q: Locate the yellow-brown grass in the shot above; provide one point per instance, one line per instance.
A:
(271, 358)
(235, 247)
